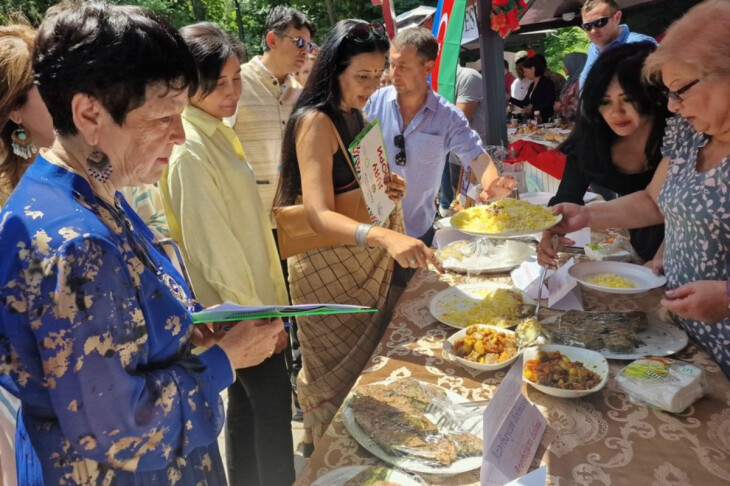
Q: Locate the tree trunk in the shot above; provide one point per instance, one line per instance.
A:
(198, 10)
(330, 11)
(239, 24)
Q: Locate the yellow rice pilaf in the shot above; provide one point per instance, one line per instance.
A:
(503, 216)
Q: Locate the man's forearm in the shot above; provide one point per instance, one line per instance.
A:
(484, 170)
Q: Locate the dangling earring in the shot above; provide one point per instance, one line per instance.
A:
(21, 143)
(99, 166)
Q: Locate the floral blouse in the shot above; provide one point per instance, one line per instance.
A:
(95, 341)
(569, 103)
(696, 209)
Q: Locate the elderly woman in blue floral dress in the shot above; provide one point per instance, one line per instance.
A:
(690, 191)
(95, 323)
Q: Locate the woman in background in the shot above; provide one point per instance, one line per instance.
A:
(566, 108)
(616, 144)
(541, 95)
(25, 125)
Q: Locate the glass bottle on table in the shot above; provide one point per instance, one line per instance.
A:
(538, 117)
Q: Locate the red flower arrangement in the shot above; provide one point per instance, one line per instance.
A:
(506, 16)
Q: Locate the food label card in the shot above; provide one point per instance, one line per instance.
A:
(371, 165)
(538, 477)
(527, 277)
(513, 428)
(565, 293)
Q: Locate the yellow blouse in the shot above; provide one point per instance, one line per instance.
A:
(215, 214)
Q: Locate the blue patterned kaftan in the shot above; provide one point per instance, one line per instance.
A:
(97, 346)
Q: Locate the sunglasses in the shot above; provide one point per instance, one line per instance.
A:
(400, 144)
(301, 42)
(676, 96)
(363, 32)
(596, 24)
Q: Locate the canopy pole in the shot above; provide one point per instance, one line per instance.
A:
(491, 49)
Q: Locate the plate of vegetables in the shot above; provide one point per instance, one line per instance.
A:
(564, 371)
(483, 347)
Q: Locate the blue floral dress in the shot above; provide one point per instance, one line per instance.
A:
(95, 341)
(696, 208)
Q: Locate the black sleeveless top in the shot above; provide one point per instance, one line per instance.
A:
(343, 178)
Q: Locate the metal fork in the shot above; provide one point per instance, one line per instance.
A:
(554, 245)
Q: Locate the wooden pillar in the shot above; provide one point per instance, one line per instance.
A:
(491, 49)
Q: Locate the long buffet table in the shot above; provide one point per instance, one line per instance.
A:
(601, 439)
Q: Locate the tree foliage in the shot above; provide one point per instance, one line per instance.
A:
(570, 39)
(252, 13)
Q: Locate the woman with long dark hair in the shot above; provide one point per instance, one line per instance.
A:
(359, 269)
(616, 144)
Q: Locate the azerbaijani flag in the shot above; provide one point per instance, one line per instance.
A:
(448, 26)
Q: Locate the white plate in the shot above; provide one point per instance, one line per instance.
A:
(542, 198)
(509, 255)
(338, 477)
(537, 198)
(660, 339)
(512, 234)
(443, 223)
(592, 360)
(404, 462)
(643, 277)
(465, 295)
(450, 351)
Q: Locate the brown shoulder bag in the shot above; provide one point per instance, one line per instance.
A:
(293, 231)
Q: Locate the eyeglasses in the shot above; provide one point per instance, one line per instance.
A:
(364, 32)
(676, 96)
(596, 24)
(400, 143)
(301, 42)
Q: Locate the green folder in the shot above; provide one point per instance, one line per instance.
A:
(228, 311)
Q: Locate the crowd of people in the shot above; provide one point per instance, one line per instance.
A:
(140, 171)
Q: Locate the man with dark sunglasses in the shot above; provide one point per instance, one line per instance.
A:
(602, 23)
(269, 92)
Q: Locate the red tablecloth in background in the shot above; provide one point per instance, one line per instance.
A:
(550, 161)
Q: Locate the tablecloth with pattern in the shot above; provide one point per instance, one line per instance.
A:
(601, 439)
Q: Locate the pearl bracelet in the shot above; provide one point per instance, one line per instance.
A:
(361, 234)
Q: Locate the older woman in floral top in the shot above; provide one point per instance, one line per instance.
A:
(690, 190)
(95, 326)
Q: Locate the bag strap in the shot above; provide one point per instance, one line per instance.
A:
(345, 152)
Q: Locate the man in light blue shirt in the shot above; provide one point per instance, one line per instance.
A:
(601, 20)
(420, 128)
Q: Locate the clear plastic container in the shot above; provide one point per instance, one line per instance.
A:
(663, 383)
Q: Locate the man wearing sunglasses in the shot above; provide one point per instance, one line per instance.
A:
(269, 92)
(602, 23)
(420, 128)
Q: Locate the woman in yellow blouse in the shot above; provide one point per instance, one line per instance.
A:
(215, 213)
